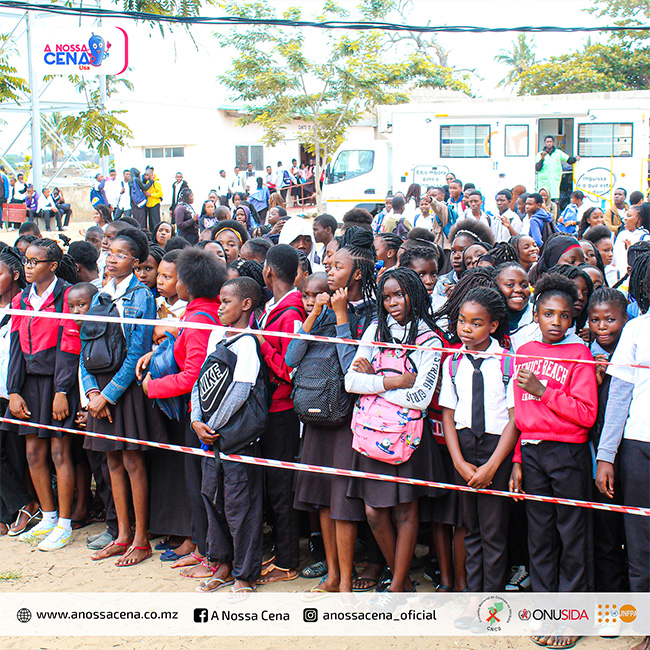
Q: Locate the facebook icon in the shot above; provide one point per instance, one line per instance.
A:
(200, 615)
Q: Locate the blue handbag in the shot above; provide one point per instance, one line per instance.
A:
(163, 364)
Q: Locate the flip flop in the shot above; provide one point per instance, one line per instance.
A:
(239, 594)
(30, 518)
(371, 582)
(147, 555)
(566, 645)
(164, 545)
(214, 584)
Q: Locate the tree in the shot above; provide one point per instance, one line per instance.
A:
(10, 83)
(519, 58)
(53, 137)
(626, 13)
(598, 68)
(282, 75)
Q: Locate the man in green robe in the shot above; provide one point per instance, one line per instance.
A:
(548, 166)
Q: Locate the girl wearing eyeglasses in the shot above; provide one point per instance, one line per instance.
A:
(42, 388)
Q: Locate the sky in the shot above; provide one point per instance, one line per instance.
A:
(180, 68)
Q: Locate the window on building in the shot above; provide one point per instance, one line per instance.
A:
(465, 141)
(605, 140)
(516, 140)
(245, 154)
(164, 152)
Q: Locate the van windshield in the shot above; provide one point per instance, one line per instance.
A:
(350, 163)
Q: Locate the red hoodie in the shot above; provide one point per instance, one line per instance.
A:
(281, 319)
(189, 350)
(569, 406)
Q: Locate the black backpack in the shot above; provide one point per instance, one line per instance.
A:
(103, 346)
(319, 395)
(216, 375)
(548, 229)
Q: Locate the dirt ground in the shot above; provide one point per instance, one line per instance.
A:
(71, 570)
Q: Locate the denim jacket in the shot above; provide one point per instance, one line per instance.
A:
(137, 304)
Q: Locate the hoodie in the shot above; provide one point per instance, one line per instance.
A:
(155, 193)
(537, 223)
(189, 350)
(296, 227)
(281, 317)
(569, 406)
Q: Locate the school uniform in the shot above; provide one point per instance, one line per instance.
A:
(485, 517)
(134, 416)
(281, 440)
(43, 358)
(330, 444)
(556, 462)
(626, 435)
(169, 513)
(609, 544)
(425, 461)
(232, 492)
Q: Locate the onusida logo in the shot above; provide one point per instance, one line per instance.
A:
(553, 615)
(97, 53)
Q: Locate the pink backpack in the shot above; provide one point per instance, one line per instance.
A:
(385, 431)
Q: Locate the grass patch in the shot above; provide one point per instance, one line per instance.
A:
(11, 575)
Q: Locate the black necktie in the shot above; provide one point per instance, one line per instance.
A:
(478, 398)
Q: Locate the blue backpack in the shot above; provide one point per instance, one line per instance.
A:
(163, 364)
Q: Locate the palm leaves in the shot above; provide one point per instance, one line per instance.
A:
(520, 57)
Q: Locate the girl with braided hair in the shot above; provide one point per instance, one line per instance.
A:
(387, 244)
(480, 432)
(424, 261)
(403, 316)
(514, 284)
(345, 310)
(42, 388)
(17, 505)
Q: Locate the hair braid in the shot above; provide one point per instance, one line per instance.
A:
(497, 307)
(413, 287)
(359, 243)
(640, 281)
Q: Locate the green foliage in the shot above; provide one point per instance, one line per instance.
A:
(99, 129)
(599, 68)
(519, 58)
(626, 13)
(10, 84)
(282, 74)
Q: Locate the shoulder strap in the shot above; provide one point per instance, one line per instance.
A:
(207, 315)
(277, 315)
(453, 367)
(506, 368)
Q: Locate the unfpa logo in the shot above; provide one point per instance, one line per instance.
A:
(610, 614)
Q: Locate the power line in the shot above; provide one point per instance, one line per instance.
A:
(328, 24)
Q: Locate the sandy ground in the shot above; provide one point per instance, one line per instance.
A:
(71, 570)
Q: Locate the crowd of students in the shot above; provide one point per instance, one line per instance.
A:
(457, 409)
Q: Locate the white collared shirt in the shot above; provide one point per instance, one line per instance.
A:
(271, 304)
(116, 292)
(37, 301)
(497, 399)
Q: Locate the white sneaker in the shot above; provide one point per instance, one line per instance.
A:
(37, 533)
(58, 538)
(520, 579)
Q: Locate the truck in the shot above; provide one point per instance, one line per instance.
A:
(494, 143)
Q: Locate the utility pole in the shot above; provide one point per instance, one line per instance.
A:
(103, 161)
(37, 169)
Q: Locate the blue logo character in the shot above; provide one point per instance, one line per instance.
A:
(98, 49)
(384, 445)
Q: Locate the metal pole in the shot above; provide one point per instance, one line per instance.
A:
(37, 170)
(103, 161)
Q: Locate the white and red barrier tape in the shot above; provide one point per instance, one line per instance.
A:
(318, 469)
(178, 324)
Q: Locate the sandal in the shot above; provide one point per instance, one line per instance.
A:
(148, 553)
(120, 549)
(30, 519)
(171, 556)
(285, 575)
(204, 563)
(316, 570)
(445, 588)
(214, 584)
